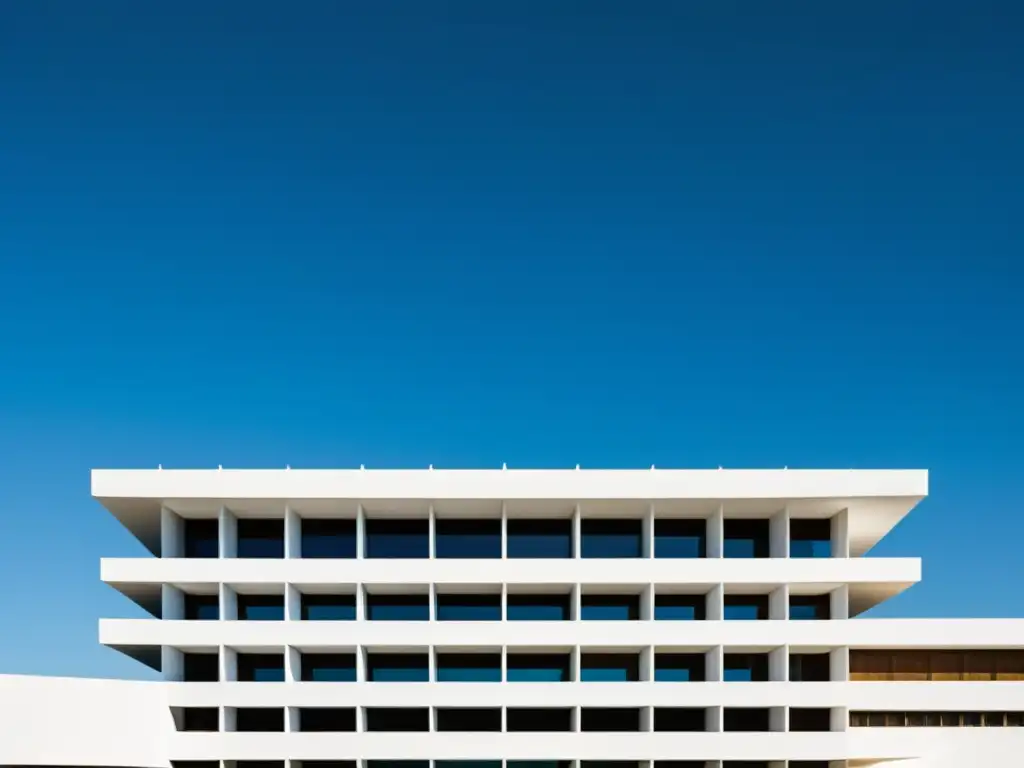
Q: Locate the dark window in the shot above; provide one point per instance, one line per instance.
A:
(810, 607)
(251, 719)
(398, 539)
(332, 764)
(611, 538)
(469, 667)
(679, 764)
(746, 667)
(537, 667)
(679, 607)
(469, 720)
(326, 719)
(743, 719)
(679, 667)
(609, 719)
(328, 667)
(801, 719)
(328, 607)
(398, 607)
(328, 538)
(680, 538)
(202, 607)
(679, 719)
(467, 539)
(470, 607)
(261, 667)
(517, 719)
(610, 607)
(809, 667)
(466, 764)
(260, 538)
(259, 764)
(397, 719)
(810, 538)
(201, 538)
(199, 764)
(540, 764)
(747, 538)
(201, 667)
(261, 607)
(537, 607)
(809, 764)
(746, 607)
(200, 719)
(609, 667)
(397, 764)
(397, 667)
(993, 719)
(539, 538)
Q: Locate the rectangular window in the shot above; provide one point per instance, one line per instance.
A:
(328, 667)
(808, 720)
(202, 607)
(746, 607)
(809, 667)
(328, 538)
(682, 538)
(679, 719)
(259, 719)
(326, 719)
(469, 720)
(537, 667)
(746, 667)
(260, 538)
(810, 607)
(469, 607)
(261, 607)
(541, 720)
(679, 667)
(608, 719)
(398, 539)
(810, 538)
(201, 538)
(397, 667)
(397, 607)
(670, 607)
(610, 607)
(994, 719)
(747, 538)
(397, 719)
(261, 667)
(746, 719)
(609, 667)
(328, 607)
(475, 539)
(538, 607)
(200, 667)
(469, 667)
(539, 538)
(200, 719)
(611, 538)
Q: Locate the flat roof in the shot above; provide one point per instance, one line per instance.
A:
(876, 499)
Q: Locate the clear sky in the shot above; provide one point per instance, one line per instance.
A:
(544, 233)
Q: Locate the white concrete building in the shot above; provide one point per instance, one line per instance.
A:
(591, 619)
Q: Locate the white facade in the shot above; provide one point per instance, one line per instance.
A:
(621, 632)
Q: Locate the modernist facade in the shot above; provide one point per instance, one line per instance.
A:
(544, 619)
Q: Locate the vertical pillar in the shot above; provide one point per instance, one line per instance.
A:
(576, 602)
(228, 664)
(228, 717)
(292, 603)
(839, 602)
(839, 665)
(362, 675)
(841, 534)
(360, 531)
(647, 603)
(504, 601)
(360, 602)
(431, 532)
(647, 548)
(778, 665)
(227, 530)
(292, 664)
(714, 719)
(172, 603)
(779, 534)
(432, 664)
(647, 664)
(172, 534)
(228, 603)
(839, 719)
(778, 603)
(714, 665)
(172, 663)
(504, 532)
(646, 724)
(504, 670)
(575, 674)
(432, 601)
(778, 719)
(577, 536)
(292, 533)
(292, 725)
(715, 534)
(714, 607)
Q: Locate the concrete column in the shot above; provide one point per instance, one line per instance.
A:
(292, 533)
(778, 719)
(292, 664)
(841, 534)
(362, 675)
(292, 603)
(575, 674)
(778, 603)
(577, 535)
(647, 547)
(432, 664)
(172, 534)
(432, 601)
(504, 538)
(839, 602)
(360, 531)
(431, 533)
(779, 534)
(576, 602)
(715, 603)
(778, 665)
(839, 719)
(292, 725)
(228, 533)
(647, 603)
(714, 720)
(228, 603)
(228, 719)
(172, 603)
(647, 664)
(714, 664)
(839, 665)
(715, 534)
(504, 602)
(646, 724)
(172, 663)
(228, 664)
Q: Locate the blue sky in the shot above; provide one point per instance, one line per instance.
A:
(460, 233)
